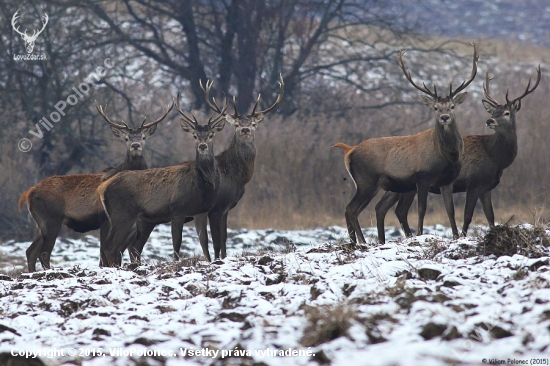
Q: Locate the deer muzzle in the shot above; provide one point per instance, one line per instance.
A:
(445, 119)
(203, 147)
(491, 123)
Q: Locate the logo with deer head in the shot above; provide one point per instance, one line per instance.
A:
(28, 39)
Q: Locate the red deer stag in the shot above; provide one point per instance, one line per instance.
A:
(408, 163)
(162, 195)
(485, 158)
(236, 165)
(70, 200)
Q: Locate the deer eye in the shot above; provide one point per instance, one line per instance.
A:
(253, 124)
(195, 137)
(126, 139)
(506, 113)
(435, 108)
(452, 107)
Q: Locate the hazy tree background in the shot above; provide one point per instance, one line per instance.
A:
(341, 84)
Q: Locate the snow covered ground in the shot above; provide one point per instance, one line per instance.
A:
(281, 298)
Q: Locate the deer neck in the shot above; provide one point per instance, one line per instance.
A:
(503, 147)
(134, 162)
(448, 141)
(205, 166)
(237, 161)
(130, 163)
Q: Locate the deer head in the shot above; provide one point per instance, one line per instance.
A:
(442, 106)
(29, 40)
(244, 125)
(203, 135)
(135, 138)
(503, 116)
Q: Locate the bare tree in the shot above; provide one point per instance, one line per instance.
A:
(246, 44)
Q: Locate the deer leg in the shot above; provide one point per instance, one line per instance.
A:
(38, 245)
(223, 234)
(177, 230)
(49, 230)
(447, 194)
(351, 230)
(114, 243)
(357, 204)
(33, 251)
(136, 243)
(472, 196)
(402, 210)
(103, 232)
(130, 238)
(201, 222)
(422, 203)
(386, 202)
(216, 219)
(487, 204)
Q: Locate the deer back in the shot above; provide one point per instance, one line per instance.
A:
(68, 197)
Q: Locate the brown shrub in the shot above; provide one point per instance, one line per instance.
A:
(326, 323)
(509, 240)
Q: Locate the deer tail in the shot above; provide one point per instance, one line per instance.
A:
(24, 198)
(343, 146)
(100, 192)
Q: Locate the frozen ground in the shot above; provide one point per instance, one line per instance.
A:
(427, 300)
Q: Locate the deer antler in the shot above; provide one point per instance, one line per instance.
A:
(101, 111)
(221, 114)
(157, 120)
(193, 120)
(489, 98)
(277, 101)
(527, 91)
(433, 94)
(423, 88)
(465, 83)
(212, 104)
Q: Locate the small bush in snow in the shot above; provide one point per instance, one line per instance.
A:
(530, 241)
(326, 323)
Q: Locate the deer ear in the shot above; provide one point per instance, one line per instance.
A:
(489, 107)
(117, 132)
(187, 127)
(258, 118)
(517, 105)
(460, 98)
(218, 126)
(232, 121)
(427, 100)
(149, 131)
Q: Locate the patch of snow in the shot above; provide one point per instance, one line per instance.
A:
(259, 303)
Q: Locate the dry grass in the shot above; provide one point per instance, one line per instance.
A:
(327, 322)
(509, 240)
(433, 248)
(169, 266)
